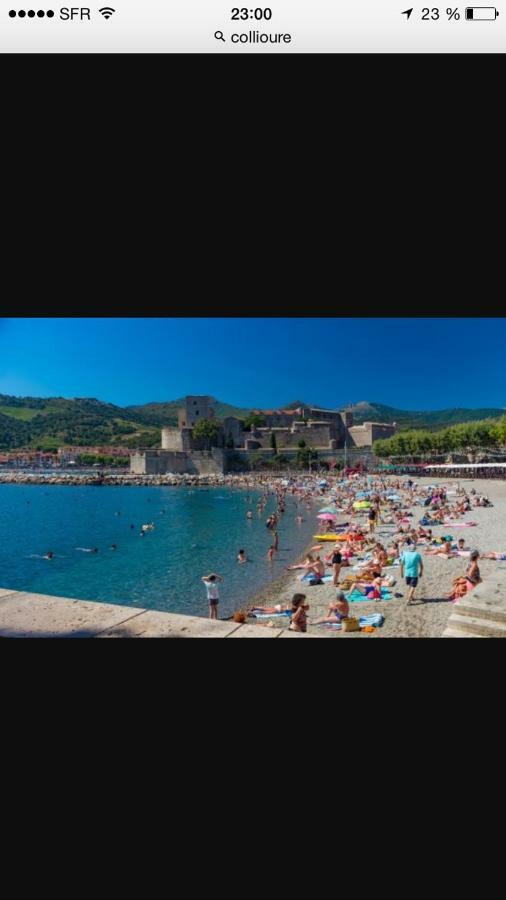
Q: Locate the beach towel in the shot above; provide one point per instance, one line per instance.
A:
(376, 621)
(460, 524)
(276, 615)
(357, 597)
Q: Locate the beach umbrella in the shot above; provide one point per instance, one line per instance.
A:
(328, 517)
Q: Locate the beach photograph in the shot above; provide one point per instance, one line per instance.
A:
(252, 477)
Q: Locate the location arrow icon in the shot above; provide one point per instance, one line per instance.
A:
(407, 12)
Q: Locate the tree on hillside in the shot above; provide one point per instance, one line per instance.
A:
(499, 431)
(207, 431)
(273, 441)
(253, 421)
(305, 456)
(230, 442)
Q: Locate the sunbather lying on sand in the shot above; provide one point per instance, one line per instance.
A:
(371, 591)
(494, 554)
(265, 610)
(445, 550)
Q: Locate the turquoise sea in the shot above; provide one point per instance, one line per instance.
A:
(197, 530)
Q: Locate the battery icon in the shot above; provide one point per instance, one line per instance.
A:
(481, 13)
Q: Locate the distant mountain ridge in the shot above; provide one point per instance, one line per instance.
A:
(432, 419)
(47, 423)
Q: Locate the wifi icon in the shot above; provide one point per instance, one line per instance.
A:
(107, 11)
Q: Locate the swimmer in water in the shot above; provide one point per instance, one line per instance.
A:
(88, 549)
(249, 514)
(270, 553)
(241, 557)
(113, 547)
(49, 555)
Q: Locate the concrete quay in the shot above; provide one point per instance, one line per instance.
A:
(482, 613)
(26, 615)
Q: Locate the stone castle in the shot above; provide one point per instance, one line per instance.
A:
(324, 429)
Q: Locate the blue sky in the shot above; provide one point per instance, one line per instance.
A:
(407, 363)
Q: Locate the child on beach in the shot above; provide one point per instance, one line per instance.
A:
(211, 583)
(298, 620)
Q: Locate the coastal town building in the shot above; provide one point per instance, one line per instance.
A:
(323, 429)
(68, 455)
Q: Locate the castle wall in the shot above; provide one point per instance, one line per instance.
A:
(365, 435)
(164, 462)
(175, 439)
(235, 427)
(316, 436)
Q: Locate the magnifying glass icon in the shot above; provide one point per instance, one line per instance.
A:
(219, 36)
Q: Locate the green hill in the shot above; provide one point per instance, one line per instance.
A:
(432, 419)
(32, 422)
(166, 413)
(48, 423)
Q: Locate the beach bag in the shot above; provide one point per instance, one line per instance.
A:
(350, 624)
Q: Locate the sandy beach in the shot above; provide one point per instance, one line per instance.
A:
(424, 619)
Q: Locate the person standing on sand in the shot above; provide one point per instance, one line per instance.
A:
(412, 564)
(372, 520)
(337, 562)
(213, 595)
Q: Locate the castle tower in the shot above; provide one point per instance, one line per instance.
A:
(194, 410)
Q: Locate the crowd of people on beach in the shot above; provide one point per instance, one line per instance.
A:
(357, 563)
(368, 533)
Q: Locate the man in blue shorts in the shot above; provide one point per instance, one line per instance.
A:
(412, 565)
